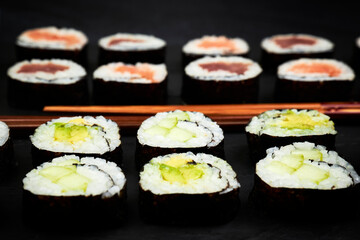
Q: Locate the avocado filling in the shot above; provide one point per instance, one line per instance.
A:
(302, 120)
(73, 131)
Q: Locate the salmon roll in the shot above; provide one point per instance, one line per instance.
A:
(281, 127)
(120, 83)
(303, 178)
(36, 83)
(280, 48)
(176, 186)
(52, 42)
(215, 80)
(131, 48)
(6, 146)
(314, 80)
(214, 46)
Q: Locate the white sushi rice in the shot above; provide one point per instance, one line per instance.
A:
(106, 179)
(218, 176)
(357, 42)
(108, 73)
(341, 173)
(208, 133)
(321, 45)
(4, 133)
(269, 123)
(192, 47)
(100, 141)
(74, 73)
(25, 41)
(194, 70)
(284, 72)
(147, 42)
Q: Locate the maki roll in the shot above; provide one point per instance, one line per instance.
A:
(213, 46)
(119, 83)
(84, 136)
(6, 146)
(302, 178)
(282, 127)
(131, 48)
(74, 190)
(174, 187)
(52, 42)
(36, 83)
(314, 80)
(221, 80)
(175, 132)
(280, 48)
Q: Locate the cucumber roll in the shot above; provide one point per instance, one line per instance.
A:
(85, 136)
(174, 187)
(76, 190)
(213, 46)
(36, 83)
(302, 178)
(52, 42)
(175, 132)
(221, 80)
(131, 48)
(314, 80)
(282, 127)
(6, 146)
(120, 83)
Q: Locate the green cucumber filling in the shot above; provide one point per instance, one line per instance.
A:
(68, 132)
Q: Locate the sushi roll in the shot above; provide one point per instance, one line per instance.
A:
(188, 188)
(176, 132)
(36, 83)
(52, 42)
(303, 178)
(213, 46)
(78, 191)
(131, 48)
(221, 80)
(120, 83)
(282, 127)
(280, 48)
(83, 136)
(6, 146)
(314, 80)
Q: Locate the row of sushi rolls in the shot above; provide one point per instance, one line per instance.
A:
(183, 176)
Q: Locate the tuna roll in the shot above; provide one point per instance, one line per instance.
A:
(85, 136)
(176, 132)
(188, 188)
(35, 83)
(119, 83)
(52, 42)
(78, 191)
(314, 80)
(131, 48)
(214, 80)
(281, 48)
(281, 127)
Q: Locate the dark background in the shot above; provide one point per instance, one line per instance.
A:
(177, 22)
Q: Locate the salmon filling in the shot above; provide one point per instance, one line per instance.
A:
(238, 68)
(287, 42)
(143, 71)
(41, 35)
(48, 68)
(220, 42)
(121, 40)
(320, 68)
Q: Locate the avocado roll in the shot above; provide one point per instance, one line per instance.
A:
(75, 190)
(304, 178)
(215, 80)
(280, 48)
(84, 136)
(52, 42)
(213, 46)
(175, 187)
(282, 127)
(175, 132)
(131, 48)
(36, 83)
(120, 83)
(314, 80)
(6, 146)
